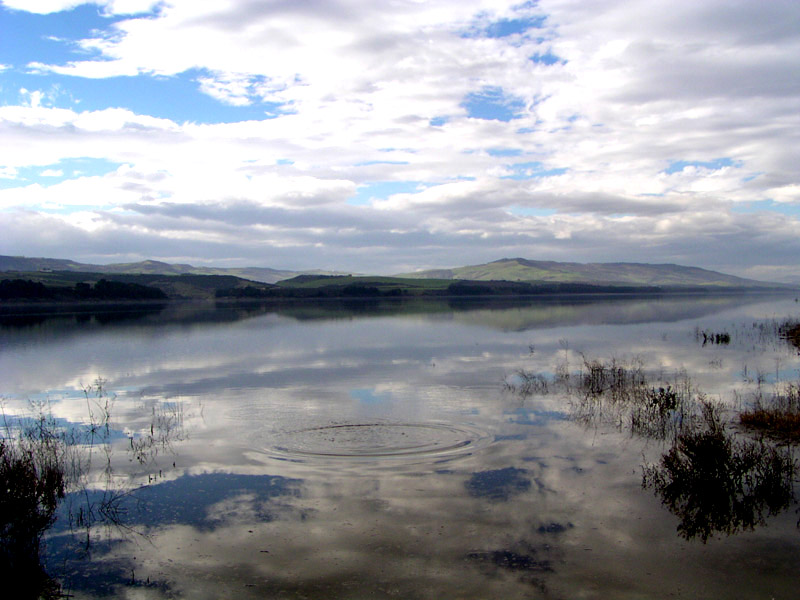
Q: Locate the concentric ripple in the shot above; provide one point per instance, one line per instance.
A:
(378, 440)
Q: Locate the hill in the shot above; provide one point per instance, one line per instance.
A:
(506, 269)
(505, 277)
(79, 285)
(147, 267)
(627, 274)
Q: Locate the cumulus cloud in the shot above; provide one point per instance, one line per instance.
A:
(552, 130)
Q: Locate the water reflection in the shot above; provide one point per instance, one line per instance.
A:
(518, 314)
(381, 440)
(58, 478)
(713, 480)
(498, 484)
(321, 452)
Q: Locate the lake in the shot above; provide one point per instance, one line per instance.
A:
(408, 449)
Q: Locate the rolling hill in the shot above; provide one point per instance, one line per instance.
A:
(508, 276)
(636, 274)
(147, 267)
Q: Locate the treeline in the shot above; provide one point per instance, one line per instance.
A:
(328, 291)
(25, 289)
(524, 288)
(455, 289)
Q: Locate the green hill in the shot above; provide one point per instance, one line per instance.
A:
(629, 274)
(146, 267)
(508, 276)
(61, 285)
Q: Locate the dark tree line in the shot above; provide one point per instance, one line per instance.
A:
(23, 289)
(456, 289)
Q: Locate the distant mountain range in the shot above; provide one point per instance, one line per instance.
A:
(506, 269)
(148, 267)
(629, 274)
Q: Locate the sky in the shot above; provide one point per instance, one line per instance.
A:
(385, 137)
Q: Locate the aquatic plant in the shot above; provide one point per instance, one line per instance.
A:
(166, 427)
(711, 337)
(45, 465)
(716, 483)
(715, 480)
(618, 393)
(527, 383)
(790, 331)
(777, 415)
(32, 483)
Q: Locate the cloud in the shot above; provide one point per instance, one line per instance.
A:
(650, 127)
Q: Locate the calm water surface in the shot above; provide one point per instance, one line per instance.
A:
(373, 451)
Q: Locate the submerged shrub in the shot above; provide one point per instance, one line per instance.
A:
(32, 483)
(30, 488)
(717, 484)
(777, 415)
(614, 379)
(790, 331)
(719, 338)
(617, 393)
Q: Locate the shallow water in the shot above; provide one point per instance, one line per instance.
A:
(372, 450)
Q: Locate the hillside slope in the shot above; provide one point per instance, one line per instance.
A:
(520, 269)
(147, 267)
(62, 284)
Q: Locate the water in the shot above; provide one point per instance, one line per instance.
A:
(374, 450)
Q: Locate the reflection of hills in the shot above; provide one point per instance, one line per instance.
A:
(54, 322)
(608, 311)
(524, 314)
(500, 314)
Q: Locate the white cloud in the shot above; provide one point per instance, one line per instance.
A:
(633, 88)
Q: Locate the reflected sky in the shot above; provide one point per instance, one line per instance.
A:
(275, 487)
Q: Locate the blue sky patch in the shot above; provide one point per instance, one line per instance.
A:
(530, 211)
(51, 38)
(380, 190)
(492, 103)
(70, 168)
(368, 396)
(504, 152)
(548, 58)
(368, 163)
(532, 170)
(760, 206)
(507, 27)
(438, 121)
(177, 98)
(676, 166)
